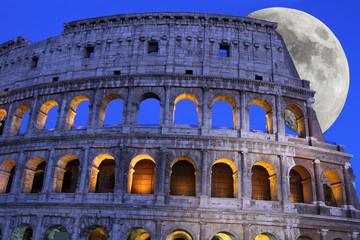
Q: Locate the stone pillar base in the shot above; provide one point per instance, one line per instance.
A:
(160, 199)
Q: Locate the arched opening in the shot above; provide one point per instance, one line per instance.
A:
(111, 110)
(260, 116)
(57, 232)
(183, 178)
(264, 181)
(332, 187)
(102, 178)
(223, 236)
(66, 174)
(294, 121)
(47, 116)
(224, 179)
(2, 120)
(304, 238)
(141, 175)
(223, 113)
(77, 113)
(7, 171)
(34, 175)
(149, 110)
(186, 110)
(265, 236)
(137, 234)
(22, 232)
(20, 120)
(179, 235)
(300, 185)
(96, 233)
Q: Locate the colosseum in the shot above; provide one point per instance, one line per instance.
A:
(166, 181)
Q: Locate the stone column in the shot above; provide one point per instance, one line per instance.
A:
(80, 191)
(93, 116)
(31, 125)
(118, 179)
(160, 175)
(76, 229)
(202, 230)
(246, 180)
(323, 233)
(318, 184)
(49, 173)
(204, 120)
(280, 123)
(246, 231)
(204, 175)
(167, 117)
(284, 180)
(158, 233)
(8, 122)
(124, 169)
(6, 228)
(244, 118)
(37, 232)
(347, 183)
(115, 232)
(19, 170)
(60, 118)
(128, 112)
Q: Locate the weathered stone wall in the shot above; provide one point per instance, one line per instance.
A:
(186, 42)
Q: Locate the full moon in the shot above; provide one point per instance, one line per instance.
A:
(318, 57)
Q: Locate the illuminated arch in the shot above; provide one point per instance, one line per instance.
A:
(95, 232)
(183, 177)
(265, 236)
(34, 175)
(268, 113)
(187, 96)
(17, 119)
(56, 232)
(231, 102)
(142, 174)
(300, 185)
(61, 173)
(102, 176)
(42, 116)
(300, 119)
(72, 110)
(3, 113)
(332, 187)
(179, 234)
(264, 181)
(223, 236)
(137, 233)
(224, 178)
(103, 107)
(304, 238)
(7, 171)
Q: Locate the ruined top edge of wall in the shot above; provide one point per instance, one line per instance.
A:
(167, 18)
(15, 43)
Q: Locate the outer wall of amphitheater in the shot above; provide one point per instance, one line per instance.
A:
(166, 181)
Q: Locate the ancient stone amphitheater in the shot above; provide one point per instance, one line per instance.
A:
(166, 181)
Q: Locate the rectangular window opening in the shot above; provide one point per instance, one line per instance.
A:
(189, 72)
(153, 48)
(55, 79)
(258, 77)
(34, 62)
(117, 72)
(6, 89)
(89, 52)
(224, 50)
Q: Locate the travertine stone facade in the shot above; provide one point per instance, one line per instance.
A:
(170, 57)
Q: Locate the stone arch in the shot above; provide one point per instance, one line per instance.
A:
(34, 175)
(264, 181)
(3, 114)
(156, 110)
(265, 236)
(71, 112)
(231, 102)
(42, 115)
(65, 165)
(137, 233)
(223, 236)
(102, 176)
(179, 234)
(304, 238)
(95, 232)
(17, 119)
(141, 175)
(295, 119)
(186, 96)
(300, 185)
(332, 187)
(56, 232)
(22, 232)
(104, 104)
(7, 171)
(268, 113)
(183, 177)
(224, 178)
